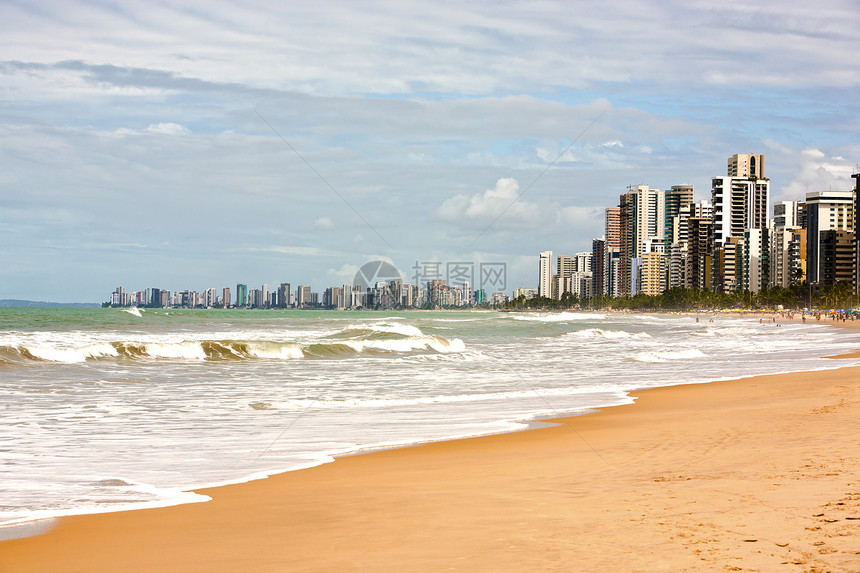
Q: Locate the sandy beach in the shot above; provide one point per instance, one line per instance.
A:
(760, 474)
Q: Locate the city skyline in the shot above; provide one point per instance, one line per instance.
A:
(150, 143)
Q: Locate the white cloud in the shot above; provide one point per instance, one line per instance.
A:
(168, 129)
(817, 172)
(502, 202)
(343, 275)
(479, 90)
(323, 223)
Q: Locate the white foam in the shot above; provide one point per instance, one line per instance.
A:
(667, 355)
(402, 329)
(607, 334)
(276, 351)
(71, 355)
(437, 343)
(187, 350)
(558, 317)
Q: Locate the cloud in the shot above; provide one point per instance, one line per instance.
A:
(818, 172)
(323, 223)
(502, 202)
(167, 129)
(578, 217)
(138, 125)
(343, 275)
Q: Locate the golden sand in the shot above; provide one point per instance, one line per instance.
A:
(761, 474)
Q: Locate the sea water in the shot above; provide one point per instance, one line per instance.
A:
(108, 409)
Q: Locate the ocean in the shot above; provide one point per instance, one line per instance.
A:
(109, 409)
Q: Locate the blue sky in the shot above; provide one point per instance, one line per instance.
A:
(137, 150)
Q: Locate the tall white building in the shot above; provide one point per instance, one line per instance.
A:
(825, 211)
(650, 215)
(545, 275)
(785, 224)
(738, 204)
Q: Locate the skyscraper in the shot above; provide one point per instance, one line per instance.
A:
(613, 228)
(740, 203)
(826, 211)
(545, 275)
(746, 165)
(642, 220)
(284, 295)
(241, 295)
(856, 177)
(677, 201)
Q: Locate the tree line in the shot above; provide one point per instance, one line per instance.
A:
(797, 296)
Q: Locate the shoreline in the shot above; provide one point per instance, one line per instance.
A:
(544, 479)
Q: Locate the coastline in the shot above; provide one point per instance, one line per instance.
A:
(759, 472)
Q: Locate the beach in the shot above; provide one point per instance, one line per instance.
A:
(757, 474)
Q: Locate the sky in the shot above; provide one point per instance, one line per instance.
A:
(189, 145)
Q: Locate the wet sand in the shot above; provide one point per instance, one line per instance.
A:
(760, 474)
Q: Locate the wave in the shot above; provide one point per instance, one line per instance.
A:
(606, 334)
(380, 328)
(230, 350)
(667, 355)
(558, 317)
(539, 394)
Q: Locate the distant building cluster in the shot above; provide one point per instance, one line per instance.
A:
(383, 295)
(656, 240)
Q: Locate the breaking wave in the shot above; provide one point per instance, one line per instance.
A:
(667, 355)
(354, 341)
(606, 334)
(557, 317)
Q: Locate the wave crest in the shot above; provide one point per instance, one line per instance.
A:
(558, 317)
(607, 334)
(233, 350)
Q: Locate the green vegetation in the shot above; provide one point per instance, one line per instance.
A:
(839, 295)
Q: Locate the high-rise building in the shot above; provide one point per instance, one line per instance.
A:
(303, 296)
(241, 295)
(755, 271)
(785, 214)
(836, 252)
(566, 265)
(598, 264)
(785, 223)
(856, 177)
(677, 201)
(583, 262)
(284, 295)
(740, 203)
(825, 211)
(612, 231)
(746, 165)
(642, 219)
(699, 256)
(650, 215)
(612, 250)
(545, 274)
